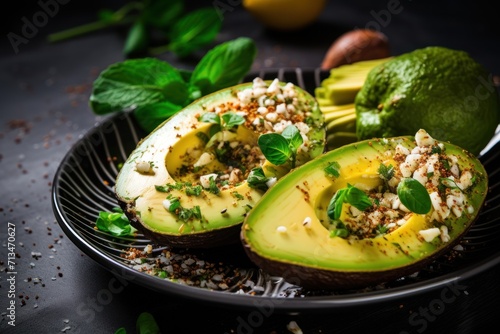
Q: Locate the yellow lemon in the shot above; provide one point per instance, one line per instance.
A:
(285, 14)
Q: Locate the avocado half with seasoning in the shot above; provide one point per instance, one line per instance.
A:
(191, 181)
(366, 213)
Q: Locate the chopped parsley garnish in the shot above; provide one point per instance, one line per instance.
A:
(186, 186)
(436, 149)
(213, 188)
(184, 214)
(350, 195)
(237, 195)
(387, 172)
(333, 169)
(257, 179)
(116, 223)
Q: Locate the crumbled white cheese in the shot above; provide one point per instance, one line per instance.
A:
(205, 179)
(281, 229)
(274, 87)
(424, 139)
(430, 233)
(271, 182)
(307, 222)
(143, 167)
(445, 237)
(204, 159)
(166, 204)
(272, 117)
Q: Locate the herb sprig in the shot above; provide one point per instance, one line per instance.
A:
(281, 148)
(414, 195)
(145, 324)
(156, 90)
(115, 222)
(155, 27)
(352, 195)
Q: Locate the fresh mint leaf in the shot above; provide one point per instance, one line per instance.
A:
(387, 172)
(414, 195)
(257, 179)
(333, 169)
(116, 223)
(224, 65)
(275, 148)
(137, 39)
(146, 324)
(231, 120)
(334, 209)
(177, 92)
(194, 31)
(149, 117)
(292, 135)
(352, 195)
(132, 83)
(357, 198)
(162, 14)
(210, 117)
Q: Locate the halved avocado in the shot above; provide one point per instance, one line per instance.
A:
(167, 185)
(289, 232)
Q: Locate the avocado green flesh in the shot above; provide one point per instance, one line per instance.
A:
(166, 150)
(306, 192)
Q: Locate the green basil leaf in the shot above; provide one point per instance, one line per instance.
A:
(335, 206)
(137, 39)
(333, 169)
(275, 148)
(231, 120)
(387, 172)
(414, 196)
(151, 116)
(177, 92)
(106, 15)
(292, 135)
(210, 117)
(116, 223)
(194, 31)
(186, 75)
(357, 198)
(132, 83)
(162, 14)
(224, 65)
(146, 324)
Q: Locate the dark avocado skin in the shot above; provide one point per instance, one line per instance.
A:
(208, 239)
(319, 279)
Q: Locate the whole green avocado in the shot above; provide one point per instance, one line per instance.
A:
(442, 90)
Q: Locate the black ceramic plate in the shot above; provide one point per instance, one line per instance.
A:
(83, 186)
